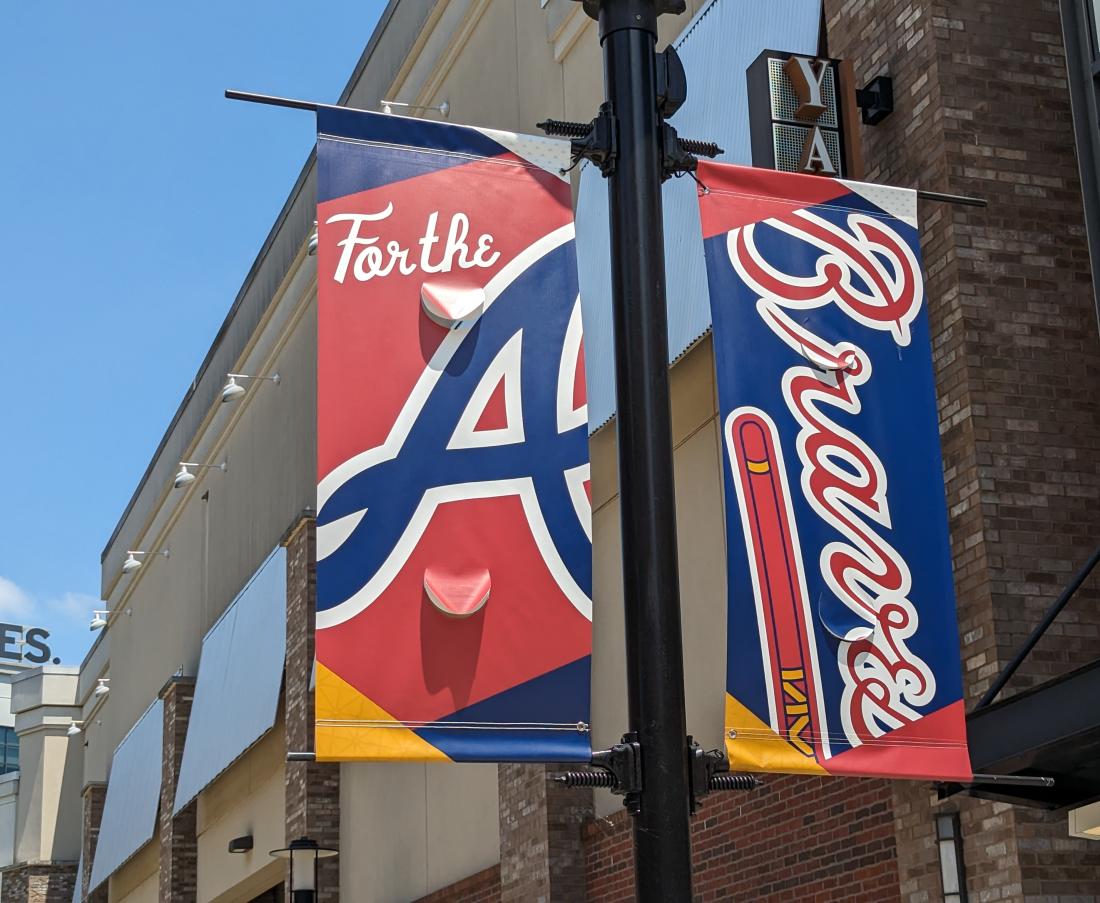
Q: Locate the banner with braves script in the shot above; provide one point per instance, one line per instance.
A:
(843, 654)
(454, 551)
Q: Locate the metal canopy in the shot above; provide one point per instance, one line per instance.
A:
(716, 49)
(133, 795)
(1053, 730)
(240, 676)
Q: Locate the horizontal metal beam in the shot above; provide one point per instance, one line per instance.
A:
(1015, 780)
(273, 101)
(961, 199)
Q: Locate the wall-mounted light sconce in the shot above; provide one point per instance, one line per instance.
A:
(185, 476)
(102, 686)
(876, 101)
(311, 248)
(952, 870)
(443, 109)
(131, 563)
(75, 729)
(233, 390)
(241, 844)
(99, 619)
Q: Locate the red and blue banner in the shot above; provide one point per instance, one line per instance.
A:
(843, 650)
(454, 551)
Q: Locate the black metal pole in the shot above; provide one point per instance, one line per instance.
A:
(654, 648)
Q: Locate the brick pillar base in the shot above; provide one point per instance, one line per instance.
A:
(312, 788)
(179, 852)
(541, 848)
(94, 795)
(46, 882)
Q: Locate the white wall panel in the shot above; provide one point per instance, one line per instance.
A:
(133, 795)
(240, 674)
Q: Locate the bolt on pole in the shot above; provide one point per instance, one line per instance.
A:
(654, 647)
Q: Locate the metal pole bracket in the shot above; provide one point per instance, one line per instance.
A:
(597, 141)
(618, 769)
(710, 770)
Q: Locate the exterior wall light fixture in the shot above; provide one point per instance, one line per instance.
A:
(131, 563)
(102, 688)
(443, 109)
(233, 390)
(75, 729)
(952, 871)
(304, 854)
(241, 844)
(99, 619)
(311, 248)
(185, 476)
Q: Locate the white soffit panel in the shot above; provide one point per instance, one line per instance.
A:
(716, 49)
(240, 675)
(133, 795)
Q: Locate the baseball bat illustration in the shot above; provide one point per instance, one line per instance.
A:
(769, 535)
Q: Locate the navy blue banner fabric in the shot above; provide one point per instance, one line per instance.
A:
(843, 650)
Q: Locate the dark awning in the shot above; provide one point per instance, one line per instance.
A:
(1052, 730)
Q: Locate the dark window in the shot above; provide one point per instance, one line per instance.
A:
(9, 750)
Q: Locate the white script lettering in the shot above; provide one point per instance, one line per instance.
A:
(368, 256)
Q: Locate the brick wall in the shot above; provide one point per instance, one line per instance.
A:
(48, 882)
(484, 887)
(312, 788)
(178, 841)
(541, 846)
(93, 797)
(982, 109)
(797, 838)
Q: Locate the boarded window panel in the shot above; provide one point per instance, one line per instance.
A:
(133, 795)
(240, 675)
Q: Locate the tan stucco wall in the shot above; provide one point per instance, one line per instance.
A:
(47, 809)
(137, 881)
(216, 543)
(415, 828)
(249, 798)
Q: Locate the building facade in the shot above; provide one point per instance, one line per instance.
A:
(984, 105)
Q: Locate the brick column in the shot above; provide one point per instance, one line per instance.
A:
(179, 852)
(312, 788)
(982, 109)
(541, 846)
(45, 882)
(94, 795)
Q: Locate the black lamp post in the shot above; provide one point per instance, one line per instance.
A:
(303, 854)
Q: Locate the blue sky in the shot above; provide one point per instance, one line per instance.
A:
(133, 200)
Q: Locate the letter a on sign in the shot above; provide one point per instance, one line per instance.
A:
(843, 653)
(454, 559)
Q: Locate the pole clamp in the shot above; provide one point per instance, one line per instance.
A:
(709, 770)
(597, 141)
(679, 155)
(618, 769)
